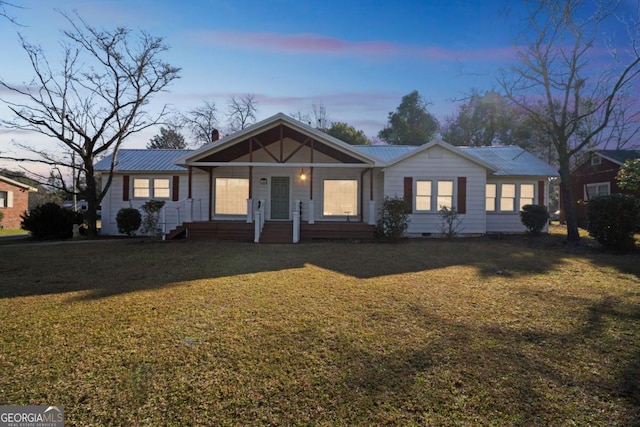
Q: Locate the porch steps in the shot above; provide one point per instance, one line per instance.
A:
(176, 233)
(277, 232)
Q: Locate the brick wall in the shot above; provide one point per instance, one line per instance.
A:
(11, 217)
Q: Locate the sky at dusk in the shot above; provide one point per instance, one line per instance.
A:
(357, 58)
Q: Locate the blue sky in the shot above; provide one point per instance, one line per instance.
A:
(357, 58)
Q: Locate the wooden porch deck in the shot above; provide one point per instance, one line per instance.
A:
(273, 231)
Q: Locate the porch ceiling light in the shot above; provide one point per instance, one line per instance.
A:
(303, 176)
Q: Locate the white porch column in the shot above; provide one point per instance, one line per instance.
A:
(249, 210)
(372, 212)
(188, 215)
(311, 213)
(296, 226)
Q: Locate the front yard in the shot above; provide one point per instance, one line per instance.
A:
(469, 332)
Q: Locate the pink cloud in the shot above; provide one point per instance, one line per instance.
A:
(312, 43)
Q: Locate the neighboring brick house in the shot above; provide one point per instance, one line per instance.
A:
(595, 176)
(14, 201)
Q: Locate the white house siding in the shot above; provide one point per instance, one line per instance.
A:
(509, 222)
(435, 164)
(113, 200)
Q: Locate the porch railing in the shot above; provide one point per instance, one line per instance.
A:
(175, 214)
(258, 221)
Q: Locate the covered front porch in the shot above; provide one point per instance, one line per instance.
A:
(278, 171)
(272, 232)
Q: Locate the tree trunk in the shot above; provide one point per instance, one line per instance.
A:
(573, 237)
(92, 200)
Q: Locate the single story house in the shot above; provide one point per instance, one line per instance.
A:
(14, 201)
(595, 175)
(281, 180)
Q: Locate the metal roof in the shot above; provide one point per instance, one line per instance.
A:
(386, 153)
(143, 160)
(506, 161)
(511, 161)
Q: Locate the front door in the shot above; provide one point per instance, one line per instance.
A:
(280, 197)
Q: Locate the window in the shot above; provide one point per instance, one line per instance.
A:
(423, 195)
(507, 197)
(597, 189)
(426, 196)
(141, 188)
(526, 194)
(445, 194)
(161, 188)
(231, 196)
(4, 199)
(492, 194)
(340, 197)
(596, 160)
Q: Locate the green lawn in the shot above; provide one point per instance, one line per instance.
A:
(12, 232)
(470, 332)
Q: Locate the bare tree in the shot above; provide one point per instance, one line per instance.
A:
(3, 10)
(202, 121)
(320, 116)
(94, 101)
(562, 91)
(241, 111)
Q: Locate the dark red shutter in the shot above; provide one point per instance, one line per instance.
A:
(125, 188)
(175, 196)
(541, 192)
(408, 193)
(462, 194)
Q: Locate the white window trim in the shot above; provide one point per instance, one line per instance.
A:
(532, 198)
(357, 199)
(415, 197)
(495, 197)
(168, 188)
(517, 197)
(215, 198)
(596, 160)
(596, 184)
(149, 187)
(434, 208)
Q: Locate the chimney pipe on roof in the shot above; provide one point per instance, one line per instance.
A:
(215, 135)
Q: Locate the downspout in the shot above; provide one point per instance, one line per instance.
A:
(360, 214)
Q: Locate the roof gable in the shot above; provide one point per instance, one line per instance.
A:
(618, 156)
(17, 184)
(446, 146)
(271, 131)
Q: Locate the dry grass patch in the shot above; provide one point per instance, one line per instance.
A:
(472, 332)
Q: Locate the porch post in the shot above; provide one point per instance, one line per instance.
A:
(372, 212)
(188, 216)
(189, 193)
(249, 210)
(296, 221)
(311, 214)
